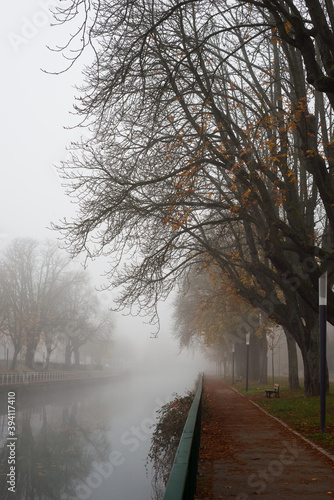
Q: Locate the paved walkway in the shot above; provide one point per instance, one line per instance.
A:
(246, 453)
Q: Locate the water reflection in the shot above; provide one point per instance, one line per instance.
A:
(86, 443)
(57, 446)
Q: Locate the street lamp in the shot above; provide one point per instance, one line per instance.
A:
(233, 351)
(247, 358)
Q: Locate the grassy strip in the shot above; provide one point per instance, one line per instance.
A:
(300, 413)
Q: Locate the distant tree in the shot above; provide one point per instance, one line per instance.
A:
(56, 319)
(42, 299)
(31, 277)
(208, 309)
(14, 285)
(84, 321)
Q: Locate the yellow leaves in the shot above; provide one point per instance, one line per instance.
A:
(263, 329)
(178, 219)
(218, 307)
(311, 153)
(291, 176)
(288, 27)
(246, 194)
(184, 184)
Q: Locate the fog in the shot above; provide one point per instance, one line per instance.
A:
(35, 108)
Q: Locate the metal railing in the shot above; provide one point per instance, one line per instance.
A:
(181, 484)
(31, 377)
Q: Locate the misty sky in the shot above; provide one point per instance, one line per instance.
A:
(34, 109)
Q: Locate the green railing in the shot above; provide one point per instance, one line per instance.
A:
(182, 480)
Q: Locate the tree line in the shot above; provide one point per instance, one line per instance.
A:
(210, 315)
(211, 144)
(45, 302)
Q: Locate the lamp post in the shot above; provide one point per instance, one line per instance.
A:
(247, 358)
(322, 347)
(233, 351)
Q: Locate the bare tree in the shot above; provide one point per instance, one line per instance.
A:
(43, 298)
(31, 278)
(15, 276)
(208, 143)
(85, 321)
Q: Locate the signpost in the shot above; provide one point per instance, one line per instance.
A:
(322, 347)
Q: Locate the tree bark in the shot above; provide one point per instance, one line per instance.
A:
(68, 355)
(30, 352)
(14, 360)
(292, 360)
(263, 361)
(311, 361)
(76, 356)
(48, 355)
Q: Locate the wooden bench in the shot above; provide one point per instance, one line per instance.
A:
(275, 391)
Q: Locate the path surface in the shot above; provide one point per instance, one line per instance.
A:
(245, 454)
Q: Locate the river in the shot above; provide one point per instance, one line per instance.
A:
(86, 443)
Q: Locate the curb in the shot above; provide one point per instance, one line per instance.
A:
(313, 445)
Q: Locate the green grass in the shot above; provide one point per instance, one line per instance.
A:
(300, 413)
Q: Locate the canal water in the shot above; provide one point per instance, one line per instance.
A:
(87, 443)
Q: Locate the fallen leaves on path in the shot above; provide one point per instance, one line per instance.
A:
(215, 443)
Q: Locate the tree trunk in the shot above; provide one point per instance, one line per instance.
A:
(305, 331)
(68, 355)
(292, 360)
(30, 353)
(311, 361)
(77, 356)
(263, 360)
(311, 373)
(254, 358)
(48, 355)
(14, 360)
(240, 360)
